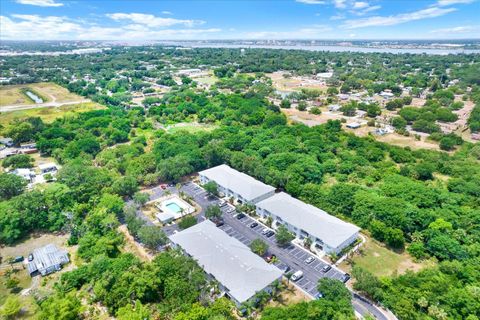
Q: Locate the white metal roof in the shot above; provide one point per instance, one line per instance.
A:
(240, 183)
(331, 230)
(47, 257)
(47, 165)
(231, 262)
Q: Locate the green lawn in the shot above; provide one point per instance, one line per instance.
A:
(191, 127)
(48, 114)
(381, 261)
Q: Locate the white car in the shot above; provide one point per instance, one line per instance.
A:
(309, 260)
(297, 275)
(265, 231)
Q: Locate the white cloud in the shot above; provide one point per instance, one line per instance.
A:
(41, 3)
(360, 5)
(372, 8)
(361, 8)
(311, 1)
(26, 27)
(151, 20)
(431, 12)
(340, 4)
(457, 30)
(443, 3)
(167, 12)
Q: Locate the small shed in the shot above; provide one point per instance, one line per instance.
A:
(6, 141)
(353, 125)
(334, 107)
(48, 167)
(165, 217)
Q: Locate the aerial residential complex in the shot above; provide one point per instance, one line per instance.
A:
(232, 183)
(306, 221)
(240, 272)
(327, 232)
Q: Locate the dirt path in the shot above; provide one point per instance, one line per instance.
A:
(134, 247)
(40, 105)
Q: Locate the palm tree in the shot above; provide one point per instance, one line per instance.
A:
(276, 288)
(262, 297)
(288, 276)
(247, 307)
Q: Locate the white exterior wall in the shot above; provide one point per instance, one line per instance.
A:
(301, 234)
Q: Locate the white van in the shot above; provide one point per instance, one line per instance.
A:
(297, 275)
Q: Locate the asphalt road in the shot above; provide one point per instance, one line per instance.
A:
(293, 255)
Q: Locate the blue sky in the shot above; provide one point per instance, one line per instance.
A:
(237, 19)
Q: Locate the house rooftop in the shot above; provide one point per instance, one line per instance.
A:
(47, 259)
(231, 262)
(331, 230)
(238, 182)
(48, 165)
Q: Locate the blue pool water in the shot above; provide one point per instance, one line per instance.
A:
(174, 207)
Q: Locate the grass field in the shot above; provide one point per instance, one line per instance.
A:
(207, 80)
(49, 114)
(376, 258)
(191, 127)
(12, 95)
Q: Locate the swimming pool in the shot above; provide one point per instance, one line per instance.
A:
(174, 207)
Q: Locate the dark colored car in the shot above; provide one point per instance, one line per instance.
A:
(240, 216)
(18, 259)
(253, 225)
(284, 267)
(326, 268)
(269, 234)
(345, 277)
(30, 257)
(218, 221)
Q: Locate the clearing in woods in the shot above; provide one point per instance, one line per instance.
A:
(381, 261)
(49, 114)
(51, 92)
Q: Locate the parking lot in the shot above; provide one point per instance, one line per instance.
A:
(293, 256)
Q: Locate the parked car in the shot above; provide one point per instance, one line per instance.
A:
(254, 224)
(218, 221)
(222, 203)
(269, 233)
(319, 295)
(163, 186)
(269, 258)
(326, 268)
(18, 259)
(240, 216)
(345, 277)
(297, 275)
(265, 231)
(30, 257)
(309, 260)
(284, 267)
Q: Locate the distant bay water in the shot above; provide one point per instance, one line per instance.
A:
(333, 48)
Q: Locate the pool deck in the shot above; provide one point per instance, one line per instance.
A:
(167, 213)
